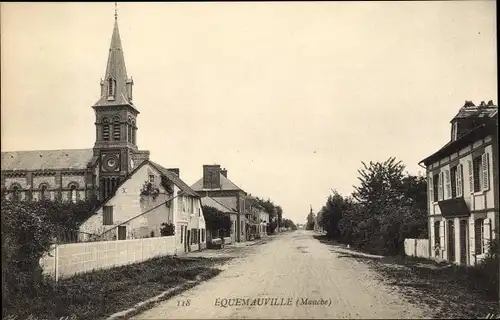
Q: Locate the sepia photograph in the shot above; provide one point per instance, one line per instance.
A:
(249, 160)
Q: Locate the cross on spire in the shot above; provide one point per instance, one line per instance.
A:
(116, 11)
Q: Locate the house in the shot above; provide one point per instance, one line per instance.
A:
(150, 196)
(215, 184)
(462, 187)
(230, 237)
(258, 221)
(77, 174)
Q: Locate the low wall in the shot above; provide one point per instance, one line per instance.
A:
(417, 248)
(67, 260)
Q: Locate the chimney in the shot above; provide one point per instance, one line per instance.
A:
(224, 172)
(175, 170)
(211, 176)
(483, 104)
(490, 103)
(469, 104)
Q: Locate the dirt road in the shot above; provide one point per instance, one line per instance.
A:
(295, 276)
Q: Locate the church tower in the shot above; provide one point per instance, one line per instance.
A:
(116, 122)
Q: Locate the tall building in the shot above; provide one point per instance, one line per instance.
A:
(73, 174)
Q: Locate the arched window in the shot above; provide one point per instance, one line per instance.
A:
(479, 236)
(16, 193)
(129, 130)
(134, 129)
(105, 129)
(111, 87)
(116, 128)
(44, 192)
(73, 193)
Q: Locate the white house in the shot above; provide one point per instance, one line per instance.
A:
(462, 187)
(149, 197)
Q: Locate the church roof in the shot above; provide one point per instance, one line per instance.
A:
(225, 184)
(47, 159)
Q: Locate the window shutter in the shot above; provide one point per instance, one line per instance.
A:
(431, 190)
(486, 234)
(448, 184)
(459, 181)
(472, 240)
(485, 168)
(441, 234)
(478, 235)
(440, 186)
(471, 177)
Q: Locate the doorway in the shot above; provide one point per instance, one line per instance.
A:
(451, 240)
(463, 242)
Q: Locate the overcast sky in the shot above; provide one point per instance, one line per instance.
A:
(289, 97)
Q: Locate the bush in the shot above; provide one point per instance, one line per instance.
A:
(168, 229)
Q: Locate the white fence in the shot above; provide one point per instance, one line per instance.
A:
(67, 260)
(417, 247)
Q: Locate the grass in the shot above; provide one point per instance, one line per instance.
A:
(450, 291)
(102, 293)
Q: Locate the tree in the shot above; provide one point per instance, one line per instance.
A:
(287, 223)
(168, 229)
(310, 220)
(216, 219)
(380, 184)
(331, 214)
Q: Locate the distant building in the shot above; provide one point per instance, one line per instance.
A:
(462, 186)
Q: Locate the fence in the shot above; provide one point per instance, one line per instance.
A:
(67, 260)
(417, 247)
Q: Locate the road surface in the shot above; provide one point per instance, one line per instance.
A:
(295, 276)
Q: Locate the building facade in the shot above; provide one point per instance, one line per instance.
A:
(215, 184)
(463, 187)
(74, 174)
(148, 198)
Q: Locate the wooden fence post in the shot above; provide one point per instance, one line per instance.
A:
(56, 262)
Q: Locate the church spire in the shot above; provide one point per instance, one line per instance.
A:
(116, 87)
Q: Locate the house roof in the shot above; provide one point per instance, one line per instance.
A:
(472, 135)
(47, 159)
(225, 184)
(175, 179)
(211, 202)
(470, 110)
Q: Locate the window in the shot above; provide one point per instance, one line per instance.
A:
(476, 173)
(43, 192)
(129, 129)
(111, 87)
(437, 236)
(105, 129)
(479, 236)
(73, 194)
(16, 194)
(453, 177)
(202, 235)
(435, 182)
(122, 232)
(116, 129)
(133, 131)
(151, 178)
(107, 215)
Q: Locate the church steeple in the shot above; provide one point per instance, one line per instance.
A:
(116, 87)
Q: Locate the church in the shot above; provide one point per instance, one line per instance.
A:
(78, 174)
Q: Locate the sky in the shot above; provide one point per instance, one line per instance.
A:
(289, 97)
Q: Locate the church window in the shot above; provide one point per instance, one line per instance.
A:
(16, 195)
(73, 193)
(133, 131)
(129, 129)
(111, 87)
(43, 192)
(105, 129)
(116, 129)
